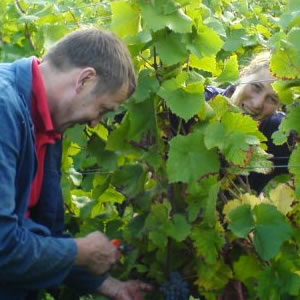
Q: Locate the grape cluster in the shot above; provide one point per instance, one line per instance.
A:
(175, 288)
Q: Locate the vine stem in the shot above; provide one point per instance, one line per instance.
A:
(155, 58)
(239, 289)
(74, 18)
(26, 29)
(68, 208)
(234, 185)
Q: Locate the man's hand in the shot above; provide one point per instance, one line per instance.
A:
(124, 290)
(96, 253)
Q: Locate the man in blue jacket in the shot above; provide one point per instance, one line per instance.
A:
(86, 74)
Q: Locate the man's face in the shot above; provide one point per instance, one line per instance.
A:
(257, 99)
(87, 107)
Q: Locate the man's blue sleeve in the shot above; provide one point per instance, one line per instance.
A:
(27, 259)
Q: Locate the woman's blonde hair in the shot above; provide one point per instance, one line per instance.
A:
(259, 62)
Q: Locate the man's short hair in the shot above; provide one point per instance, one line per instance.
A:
(99, 49)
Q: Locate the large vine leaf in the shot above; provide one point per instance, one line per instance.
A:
(230, 72)
(241, 220)
(208, 242)
(234, 40)
(125, 18)
(147, 84)
(179, 228)
(156, 224)
(142, 119)
(271, 230)
(182, 103)
(157, 19)
(171, 49)
(283, 64)
(189, 159)
(129, 179)
(205, 43)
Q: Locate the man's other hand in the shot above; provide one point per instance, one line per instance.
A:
(124, 290)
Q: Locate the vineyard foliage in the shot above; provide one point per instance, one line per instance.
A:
(167, 172)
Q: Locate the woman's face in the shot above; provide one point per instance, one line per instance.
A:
(257, 99)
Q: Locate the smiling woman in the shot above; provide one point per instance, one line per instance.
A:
(256, 97)
(255, 94)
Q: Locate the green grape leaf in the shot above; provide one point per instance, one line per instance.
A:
(189, 159)
(282, 197)
(290, 19)
(282, 65)
(293, 5)
(171, 49)
(216, 25)
(206, 43)
(271, 230)
(293, 38)
(179, 229)
(100, 185)
(52, 33)
(77, 135)
(241, 132)
(241, 220)
(294, 163)
(213, 277)
(135, 227)
(207, 242)
(279, 138)
(183, 104)
(291, 284)
(206, 63)
(291, 121)
(117, 140)
(211, 204)
(125, 18)
(247, 267)
(159, 238)
(156, 224)
(268, 284)
(234, 40)
(282, 89)
(243, 124)
(230, 72)
(155, 19)
(147, 84)
(260, 161)
(200, 196)
(142, 119)
(105, 159)
(141, 38)
(130, 179)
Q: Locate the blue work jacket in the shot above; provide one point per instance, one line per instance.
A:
(34, 253)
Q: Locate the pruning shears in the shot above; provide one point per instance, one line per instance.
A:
(121, 246)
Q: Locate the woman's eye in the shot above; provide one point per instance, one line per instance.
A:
(256, 87)
(273, 100)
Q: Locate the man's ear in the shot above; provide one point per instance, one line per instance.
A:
(85, 76)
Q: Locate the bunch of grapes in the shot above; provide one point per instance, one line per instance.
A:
(175, 288)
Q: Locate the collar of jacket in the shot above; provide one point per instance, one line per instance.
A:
(23, 69)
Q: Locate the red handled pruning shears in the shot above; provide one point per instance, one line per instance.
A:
(123, 248)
